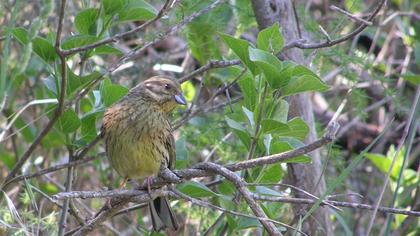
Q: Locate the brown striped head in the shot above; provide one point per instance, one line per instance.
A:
(160, 90)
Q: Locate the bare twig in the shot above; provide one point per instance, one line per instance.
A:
(115, 207)
(51, 169)
(296, 189)
(68, 187)
(246, 194)
(198, 202)
(351, 16)
(127, 194)
(210, 65)
(117, 37)
(299, 44)
(336, 203)
(400, 145)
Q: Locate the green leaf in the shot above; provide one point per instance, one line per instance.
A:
(270, 174)
(111, 93)
(270, 39)
(21, 35)
(112, 6)
(286, 144)
(85, 21)
(267, 191)
(250, 115)
(240, 48)
(294, 128)
(44, 49)
(271, 66)
(249, 91)
(50, 84)
(137, 10)
(106, 50)
(247, 223)
(88, 130)
(303, 80)
(383, 163)
(274, 127)
(412, 78)
(196, 190)
(299, 129)
(235, 125)
(68, 121)
(7, 159)
(78, 41)
(49, 189)
(280, 111)
(75, 81)
(181, 154)
(25, 129)
(201, 33)
(54, 139)
(226, 188)
(239, 131)
(188, 90)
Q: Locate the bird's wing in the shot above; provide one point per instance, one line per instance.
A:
(170, 146)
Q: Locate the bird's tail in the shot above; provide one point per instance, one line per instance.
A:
(162, 215)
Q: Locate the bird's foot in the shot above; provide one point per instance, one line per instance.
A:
(149, 185)
(123, 183)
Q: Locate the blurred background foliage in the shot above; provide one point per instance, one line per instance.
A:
(235, 113)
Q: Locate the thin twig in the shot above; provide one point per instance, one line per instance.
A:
(210, 65)
(351, 16)
(205, 204)
(400, 145)
(117, 37)
(336, 203)
(298, 43)
(52, 169)
(246, 194)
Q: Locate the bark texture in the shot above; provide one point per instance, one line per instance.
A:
(306, 176)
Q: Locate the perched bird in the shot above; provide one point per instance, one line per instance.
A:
(139, 140)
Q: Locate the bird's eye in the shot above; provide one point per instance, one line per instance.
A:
(167, 86)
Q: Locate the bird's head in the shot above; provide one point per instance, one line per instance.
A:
(161, 90)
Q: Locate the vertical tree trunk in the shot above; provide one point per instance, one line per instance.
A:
(305, 176)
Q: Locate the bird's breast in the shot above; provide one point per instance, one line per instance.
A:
(135, 141)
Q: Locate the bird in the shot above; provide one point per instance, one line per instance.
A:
(139, 140)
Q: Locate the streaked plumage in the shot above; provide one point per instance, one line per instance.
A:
(138, 137)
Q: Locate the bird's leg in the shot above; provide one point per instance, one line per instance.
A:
(123, 183)
(149, 185)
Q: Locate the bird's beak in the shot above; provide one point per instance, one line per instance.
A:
(180, 99)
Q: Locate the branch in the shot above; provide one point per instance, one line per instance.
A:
(246, 194)
(188, 174)
(210, 65)
(351, 16)
(300, 44)
(117, 205)
(117, 37)
(79, 160)
(127, 194)
(177, 194)
(336, 203)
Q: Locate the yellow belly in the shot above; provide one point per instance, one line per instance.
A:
(135, 159)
